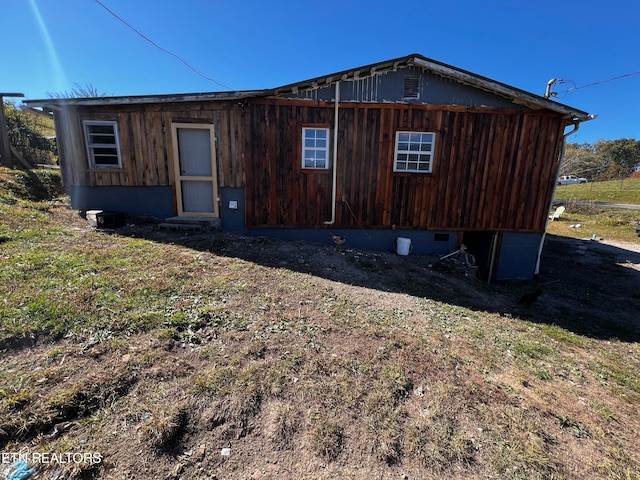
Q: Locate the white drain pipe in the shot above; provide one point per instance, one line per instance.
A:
(576, 126)
(335, 157)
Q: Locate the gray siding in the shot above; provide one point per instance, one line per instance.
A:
(389, 87)
(232, 218)
(138, 201)
(518, 256)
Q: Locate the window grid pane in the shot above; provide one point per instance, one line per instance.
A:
(315, 150)
(102, 144)
(413, 152)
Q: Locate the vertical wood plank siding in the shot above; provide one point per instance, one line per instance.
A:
(492, 169)
(279, 191)
(146, 145)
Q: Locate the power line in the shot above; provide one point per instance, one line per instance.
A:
(608, 80)
(159, 47)
(575, 87)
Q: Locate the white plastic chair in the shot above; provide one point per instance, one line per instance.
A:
(556, 215)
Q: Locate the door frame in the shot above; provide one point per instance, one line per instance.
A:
(484, 245)
(179, 178)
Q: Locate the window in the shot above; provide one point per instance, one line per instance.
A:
(103, 147)
(315, 148)
(414, 152)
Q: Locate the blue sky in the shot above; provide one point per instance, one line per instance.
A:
(48, 45)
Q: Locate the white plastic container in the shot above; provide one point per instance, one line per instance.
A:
(403, 246)
(92, 217)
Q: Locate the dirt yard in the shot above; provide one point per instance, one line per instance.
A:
(594, 278)
(319, 362)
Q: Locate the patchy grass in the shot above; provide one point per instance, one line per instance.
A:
(606, 223)
(611, 191)
(300, 361)
(32, 185)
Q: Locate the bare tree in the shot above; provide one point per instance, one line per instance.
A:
(582, 160)
(78, 91)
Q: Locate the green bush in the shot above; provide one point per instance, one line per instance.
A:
(27, 138)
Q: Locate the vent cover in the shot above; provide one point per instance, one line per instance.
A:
(411, 87)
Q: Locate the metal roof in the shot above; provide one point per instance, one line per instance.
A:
(141, 99)
(516, 95)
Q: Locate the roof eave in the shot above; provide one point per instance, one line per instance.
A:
(516, 95)
(343, 75)
(144, 99)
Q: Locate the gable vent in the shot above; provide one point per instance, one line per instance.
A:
(411, 87)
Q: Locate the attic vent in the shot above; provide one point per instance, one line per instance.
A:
(411, 87)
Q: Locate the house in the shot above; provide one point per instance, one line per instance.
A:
(408, 147)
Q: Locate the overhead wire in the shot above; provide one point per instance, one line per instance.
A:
(576, 87)
(159, 47)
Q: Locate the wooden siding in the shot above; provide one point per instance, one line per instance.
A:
(146, 144)
(281, 191)
(493, 169)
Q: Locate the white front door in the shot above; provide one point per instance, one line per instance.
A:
(195, 169)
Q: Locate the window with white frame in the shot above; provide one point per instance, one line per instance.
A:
(103, 147)
(315, 148)
(414, 152)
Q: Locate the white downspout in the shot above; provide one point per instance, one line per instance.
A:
(576, 126)
(335, 157)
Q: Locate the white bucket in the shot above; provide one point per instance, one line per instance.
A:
(403, 246)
